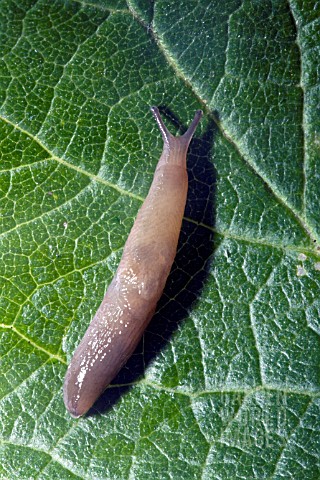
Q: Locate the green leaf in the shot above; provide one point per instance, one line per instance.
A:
(225, 384)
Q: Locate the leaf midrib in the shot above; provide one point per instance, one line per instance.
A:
(252, 165)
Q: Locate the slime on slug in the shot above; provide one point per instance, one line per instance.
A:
(133, 294)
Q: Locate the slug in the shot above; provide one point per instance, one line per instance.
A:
(132, 296)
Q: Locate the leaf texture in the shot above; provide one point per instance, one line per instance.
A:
(225, 384)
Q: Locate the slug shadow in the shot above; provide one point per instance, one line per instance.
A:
(189, 271)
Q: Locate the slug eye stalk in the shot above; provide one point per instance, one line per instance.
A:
(165, 132)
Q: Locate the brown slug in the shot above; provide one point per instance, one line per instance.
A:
(132, 296)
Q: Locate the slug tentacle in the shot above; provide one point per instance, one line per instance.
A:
(166, 135)
(192, 128)
(132, 296)
(175, 149)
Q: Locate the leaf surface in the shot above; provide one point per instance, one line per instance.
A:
(225, 383)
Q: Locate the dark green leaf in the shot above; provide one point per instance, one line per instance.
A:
(225, 384)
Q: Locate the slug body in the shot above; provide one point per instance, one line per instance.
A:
(132, 296)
